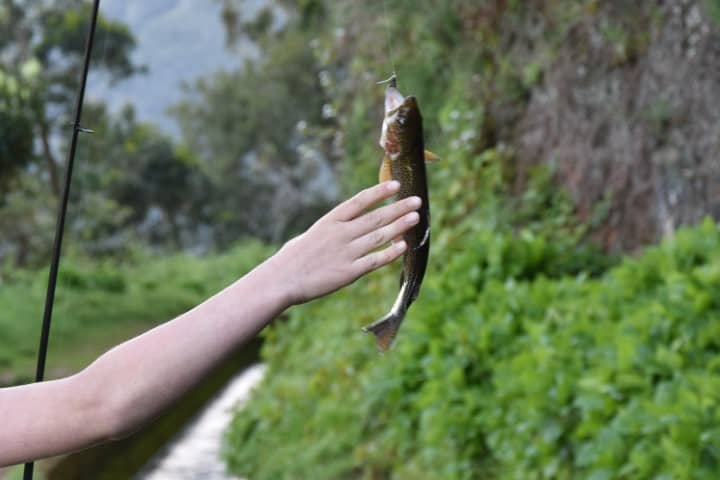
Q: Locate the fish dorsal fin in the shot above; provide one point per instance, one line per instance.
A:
(385, 170)
(430, 157)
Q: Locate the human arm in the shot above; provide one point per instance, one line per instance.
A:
(132, 383)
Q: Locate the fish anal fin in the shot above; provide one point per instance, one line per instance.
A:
(385, 170)
(430, 157)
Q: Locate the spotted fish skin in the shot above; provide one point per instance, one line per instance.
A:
(403, 143)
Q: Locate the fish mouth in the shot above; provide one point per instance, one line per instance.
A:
(393, 100)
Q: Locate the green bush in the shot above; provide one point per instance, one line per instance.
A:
(501, 374)
(524, 345)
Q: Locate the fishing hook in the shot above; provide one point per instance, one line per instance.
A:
(392, 81)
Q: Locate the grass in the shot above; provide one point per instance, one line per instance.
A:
(100, 304)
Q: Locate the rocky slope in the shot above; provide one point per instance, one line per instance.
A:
(631, 116)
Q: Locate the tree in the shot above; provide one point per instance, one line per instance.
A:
(41, 52)
(16, 127)
(262, 133)
(146, 186)
(52, 36)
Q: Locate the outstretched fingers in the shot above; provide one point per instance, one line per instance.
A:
(356, 205)
(378, 259)
(381, 236)
(383, 216)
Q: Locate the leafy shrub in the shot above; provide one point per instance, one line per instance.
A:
(461, 395)
(515, 376)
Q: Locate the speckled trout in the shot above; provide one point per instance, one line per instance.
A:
(402, 140)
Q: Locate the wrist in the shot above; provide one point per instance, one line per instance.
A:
(271, 282)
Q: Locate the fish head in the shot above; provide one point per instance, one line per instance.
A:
(393, 100)
(402, 114)
(408, 114)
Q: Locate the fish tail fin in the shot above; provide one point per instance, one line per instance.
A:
(385, 329)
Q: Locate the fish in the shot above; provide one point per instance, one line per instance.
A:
(401, 138)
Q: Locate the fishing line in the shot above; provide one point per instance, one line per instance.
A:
(57, 244)
(387, 36)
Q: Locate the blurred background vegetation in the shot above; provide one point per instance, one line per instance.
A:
(569, 325)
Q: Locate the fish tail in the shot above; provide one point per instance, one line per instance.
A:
(385, 329)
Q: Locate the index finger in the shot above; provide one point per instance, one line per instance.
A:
(356, 205)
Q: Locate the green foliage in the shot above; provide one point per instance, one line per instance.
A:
(262, 115)
(507, 367)
(249, 127)
(100, 301)
(127, 171)
(330, 408)
(41, 52)
(26, 221)
(713, 7)
(18, 103)
(65, 30)
(472, 65)
(529, 353)
(16, 135)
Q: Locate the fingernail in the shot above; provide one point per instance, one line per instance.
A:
(414, 202)
(393, 185)
(412, 218)
(400, 246)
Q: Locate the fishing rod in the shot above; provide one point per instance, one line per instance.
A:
(60, 227)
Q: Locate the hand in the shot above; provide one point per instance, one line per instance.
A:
(340, 247)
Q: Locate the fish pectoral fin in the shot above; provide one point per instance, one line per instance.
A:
(430, 157)
(425, 238)
(385, 170)
(385, 330)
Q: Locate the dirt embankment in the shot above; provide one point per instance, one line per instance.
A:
(630, 114)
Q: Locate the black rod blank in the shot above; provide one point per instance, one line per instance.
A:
(60, 227)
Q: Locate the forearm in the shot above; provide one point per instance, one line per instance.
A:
(48, 418)
(132, 383)
(145, 375)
